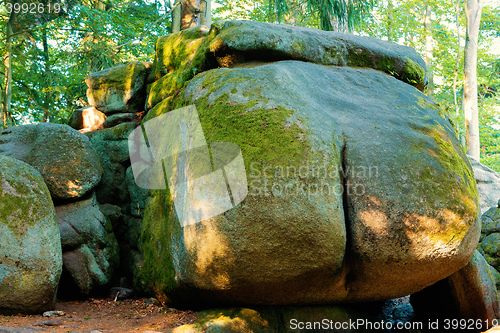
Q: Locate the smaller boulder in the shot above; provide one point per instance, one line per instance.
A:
(30, 246)
(489, 243)
(119, 118)
(90, 250)
(118, 89)
(65, 158)
(111, 145)
(87, 119)
(118, 293)
(488, 185)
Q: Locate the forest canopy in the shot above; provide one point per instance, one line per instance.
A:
(49, 47)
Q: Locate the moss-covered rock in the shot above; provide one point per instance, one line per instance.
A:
(30, 245)
(118, 89)
(111, 145)
(64, 156)
(489, 243)
(180, 56)
(358, 190)
(90, 249)
(174, 64)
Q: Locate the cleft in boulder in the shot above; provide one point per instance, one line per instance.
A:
(30, 245)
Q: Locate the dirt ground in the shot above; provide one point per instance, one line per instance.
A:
(102, 315)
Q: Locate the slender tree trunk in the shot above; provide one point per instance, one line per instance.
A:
(473, 16)
(6, 113)
(47, 75)
(176, 18)
(429, 49)
(390, 21)
(457, 61)
(206, 13)
(190, 14)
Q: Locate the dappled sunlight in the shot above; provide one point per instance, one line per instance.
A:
(445, 230)
(375, 220)
(207, 245)
(73, 188)
(90, 118)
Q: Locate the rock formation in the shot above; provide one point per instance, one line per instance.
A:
(30, 245)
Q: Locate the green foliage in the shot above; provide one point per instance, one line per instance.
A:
(489, 131)
(321, 14)
(53, 54)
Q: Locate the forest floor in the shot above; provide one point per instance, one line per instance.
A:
(100, 315)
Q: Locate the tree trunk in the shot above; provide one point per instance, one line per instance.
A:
(473, 16)
(6, 113)
(47, 75)
(429, 49)
(176, 18)
(457, 61)
(390, 21)
(190, 14)
(206, 13)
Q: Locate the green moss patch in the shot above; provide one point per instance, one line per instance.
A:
(156, 274)
(21, 189)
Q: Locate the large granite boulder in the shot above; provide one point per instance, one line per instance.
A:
(30, 245)
(181, 55)
(118, 89)
(90, 250)
(488, 185)
(357, 190)
(68, 163)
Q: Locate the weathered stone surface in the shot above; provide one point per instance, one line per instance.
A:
(242, 41)
(489, 243)
(111, 145)
(88, 118)
(230, 43)
(118, 89)
(469, 293)
(488, 185)
(365, 195)
(30, 245)
(119, 118)
(90, 250)
(112, 212)
(65, 158)
(174, 58)
(137, 195)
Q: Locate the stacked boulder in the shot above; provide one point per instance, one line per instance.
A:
(489, 243)
(119, 94)
(71, 170)
(488, 185)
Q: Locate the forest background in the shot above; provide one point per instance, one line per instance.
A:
(46, 56)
